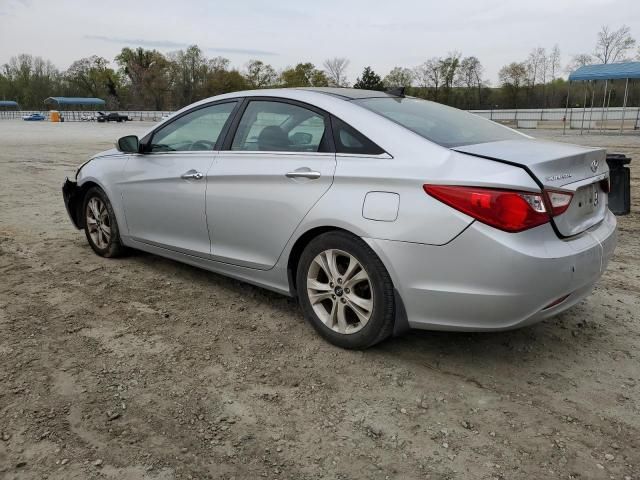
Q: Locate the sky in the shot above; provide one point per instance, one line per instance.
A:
(382, 34)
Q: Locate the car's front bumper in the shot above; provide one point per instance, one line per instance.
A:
(486, 279)
(71, 197)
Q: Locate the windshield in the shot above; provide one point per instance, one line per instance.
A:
(443, 125)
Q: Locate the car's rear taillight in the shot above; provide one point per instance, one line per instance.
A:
(508, 210)
(558, 201)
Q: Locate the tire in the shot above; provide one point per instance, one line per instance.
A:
(100, 225)
(348, 308)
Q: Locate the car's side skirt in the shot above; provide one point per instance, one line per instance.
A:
(274, 279)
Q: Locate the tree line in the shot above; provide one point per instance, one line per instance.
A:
(150, 80)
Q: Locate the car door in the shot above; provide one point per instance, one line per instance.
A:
(275, 165)
(164, 189)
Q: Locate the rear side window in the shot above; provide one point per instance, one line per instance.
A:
(443, 125)
(349, 140)
(279, 127)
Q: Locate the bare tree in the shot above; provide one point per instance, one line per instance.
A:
(579, 60)
(218, 63)
(554, 62)
(613, 45)
(421, 76)
(535, 63)
(335, 69)
(469, 76)
(429, 75)
(543, 69)
(543, 66)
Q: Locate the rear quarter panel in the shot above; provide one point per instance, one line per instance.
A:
(420, 217)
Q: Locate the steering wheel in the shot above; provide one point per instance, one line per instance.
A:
(197, 145)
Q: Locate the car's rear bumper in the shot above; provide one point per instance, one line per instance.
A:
(71, 197)
(486, 279)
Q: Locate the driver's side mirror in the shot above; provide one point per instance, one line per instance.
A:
(129, 144)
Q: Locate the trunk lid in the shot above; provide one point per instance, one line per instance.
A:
(558, 166)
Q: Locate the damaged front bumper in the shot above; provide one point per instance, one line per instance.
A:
(72, 199)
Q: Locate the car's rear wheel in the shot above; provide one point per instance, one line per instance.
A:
(100, 225)
(345, 291)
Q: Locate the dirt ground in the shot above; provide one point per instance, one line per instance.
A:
(145, 368)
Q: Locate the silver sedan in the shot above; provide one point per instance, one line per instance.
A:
(378, 211)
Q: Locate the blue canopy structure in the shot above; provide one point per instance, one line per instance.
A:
(74, 101)
(9, 109)
(608, 71)
(9, 103)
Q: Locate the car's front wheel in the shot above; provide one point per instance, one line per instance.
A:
(345, 291)
(100, 225)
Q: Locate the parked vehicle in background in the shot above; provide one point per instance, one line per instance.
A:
(34, 117)
(89, 117)
(112, 117)
(378, 211)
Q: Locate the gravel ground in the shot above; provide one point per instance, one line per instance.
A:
(145, 368)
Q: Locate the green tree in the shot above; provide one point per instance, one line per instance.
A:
(259, 74)
(304, 75)
(512, 78)
(187, 73)
(29, 80)
(448, 71)
(369, 80)
(92, 77)
(148, 74)
(398, 77)
(221, 81)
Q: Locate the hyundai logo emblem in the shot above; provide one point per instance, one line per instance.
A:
(594, 166)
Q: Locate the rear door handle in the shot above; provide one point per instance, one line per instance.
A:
(192, 175)
(304, 172)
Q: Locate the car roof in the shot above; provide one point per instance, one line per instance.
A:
(349, 93)
(300, 93)
(321, 95)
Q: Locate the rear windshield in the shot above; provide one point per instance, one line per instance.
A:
(443, 125)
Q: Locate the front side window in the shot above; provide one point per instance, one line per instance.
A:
(443, 125)
(196, 131)
(279, 127)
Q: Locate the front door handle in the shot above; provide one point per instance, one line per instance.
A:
(192, 175)
(304, 173)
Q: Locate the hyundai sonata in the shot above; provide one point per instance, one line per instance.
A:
(380, 212)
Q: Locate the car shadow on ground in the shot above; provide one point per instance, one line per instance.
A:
(545, 343)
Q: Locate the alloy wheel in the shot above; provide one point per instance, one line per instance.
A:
(98, 222)
(340, 292)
